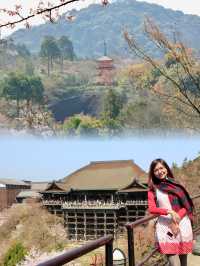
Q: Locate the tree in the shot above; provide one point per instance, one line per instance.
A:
(82, 125)
(49, 50)
(180, 69)
(19, 87)
(66, 50)
(112, 104)
(14, 88)
(35, 93)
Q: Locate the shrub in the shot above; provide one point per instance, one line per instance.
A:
(15, 254)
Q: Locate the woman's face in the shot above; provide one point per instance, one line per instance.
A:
(160, 171)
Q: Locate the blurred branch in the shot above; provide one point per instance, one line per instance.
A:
(39, 10)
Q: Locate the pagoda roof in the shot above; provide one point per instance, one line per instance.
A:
(104, 58)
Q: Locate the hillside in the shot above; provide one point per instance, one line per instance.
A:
(96, 23)
(189, 174)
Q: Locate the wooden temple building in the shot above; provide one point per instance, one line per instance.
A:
(9, 188)
(99, 198)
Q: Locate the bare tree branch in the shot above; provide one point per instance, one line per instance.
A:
(38, 11)
(179, 53)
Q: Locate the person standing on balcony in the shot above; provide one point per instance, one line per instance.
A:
(171, 201)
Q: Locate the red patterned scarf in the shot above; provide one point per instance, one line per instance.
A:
(178, 195)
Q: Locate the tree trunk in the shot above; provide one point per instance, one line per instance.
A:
(48, 67)
(51, 63)
(61, 64)
(18, 107)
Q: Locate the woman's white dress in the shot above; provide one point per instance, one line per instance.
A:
(165, 240)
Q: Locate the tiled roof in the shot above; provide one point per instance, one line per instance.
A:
(28, 194)
(104, 58)
(101, 175)
(9, 181)
(39, 186)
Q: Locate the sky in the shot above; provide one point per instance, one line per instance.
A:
(187, 6)
(52, 159)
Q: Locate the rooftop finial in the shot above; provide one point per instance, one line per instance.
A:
(105, 48)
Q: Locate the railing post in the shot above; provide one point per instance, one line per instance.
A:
(109, 253)
(131, 253)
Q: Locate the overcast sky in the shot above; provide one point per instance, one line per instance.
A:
(187, 6)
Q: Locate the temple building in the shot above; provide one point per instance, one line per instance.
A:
(105, 69)
(9, 189)
(99, 198)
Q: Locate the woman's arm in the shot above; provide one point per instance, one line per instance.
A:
(182, 212)
(153, 209)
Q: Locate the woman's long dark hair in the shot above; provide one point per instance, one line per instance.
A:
(153, 180)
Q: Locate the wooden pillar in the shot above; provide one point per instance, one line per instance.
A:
(105, 222)
(66, 225)
(137, 212)
(111, 197)
(115, 225)
(85, 226)
(65, 218)
(95, 224)
(76, 226)
(127, 215)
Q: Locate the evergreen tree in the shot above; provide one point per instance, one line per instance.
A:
(112, 104)
(66, 50)
(49, 50)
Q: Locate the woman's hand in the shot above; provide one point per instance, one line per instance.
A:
(175, 217)
(174, 228)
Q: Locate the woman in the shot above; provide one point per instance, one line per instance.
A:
(174, 206)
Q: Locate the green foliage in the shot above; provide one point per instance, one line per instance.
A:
(74, 80)
(22, 87)
(82, 125)
(112, 104)
(111, 127)
(29, 68)
(71, 124)
(49, 47)
(36, 90)
(66, 48)
(49, 50)
(15, 254)
(143, 115)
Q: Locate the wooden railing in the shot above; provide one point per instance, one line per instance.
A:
(107, 241)
(130, 232)
(74, 253)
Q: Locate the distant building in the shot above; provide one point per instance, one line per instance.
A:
(32, 194)
(105, 69)
(9, 188)
(99, 198)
